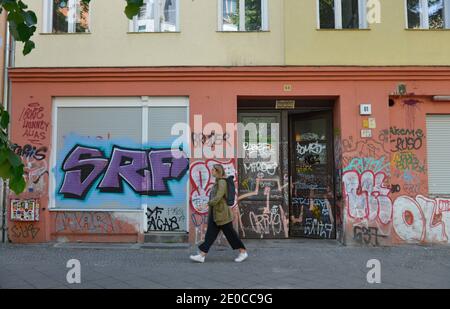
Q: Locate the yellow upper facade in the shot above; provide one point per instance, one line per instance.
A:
(290, 37)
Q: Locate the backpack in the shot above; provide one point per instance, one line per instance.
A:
(231, 190)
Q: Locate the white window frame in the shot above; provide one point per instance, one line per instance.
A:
(425, 18)
(143, 102)
(362, 12)
(133, 25)
(264, 17)
(48, 17)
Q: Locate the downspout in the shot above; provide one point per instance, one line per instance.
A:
(9, 55)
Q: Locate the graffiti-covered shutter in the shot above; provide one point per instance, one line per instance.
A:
(119, 154)
(438, 134)
(93, 132)
(167, 212)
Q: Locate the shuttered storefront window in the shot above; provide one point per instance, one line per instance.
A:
(438, 137)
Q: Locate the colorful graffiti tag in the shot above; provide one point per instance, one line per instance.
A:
(202, 182)
(145, 171)
(87, 177)
(367, 196)
(422, 219)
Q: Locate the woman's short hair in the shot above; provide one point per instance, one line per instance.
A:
(220, 169)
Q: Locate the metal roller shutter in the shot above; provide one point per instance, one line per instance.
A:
(438, 137)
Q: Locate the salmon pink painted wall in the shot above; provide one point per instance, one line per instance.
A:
(214, 92)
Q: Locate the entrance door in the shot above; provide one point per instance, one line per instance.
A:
(263, 191)
(312, 212)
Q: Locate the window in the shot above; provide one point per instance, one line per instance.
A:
(243, 15)
(342, 14)
(86, 132)
(66, 16)
(428, 14)
(157, 16)
(438, 148)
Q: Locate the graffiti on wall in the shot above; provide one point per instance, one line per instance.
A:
(367, 196)
(35, 127)
(35, 166)
(366, 154)
(392, 205)
(145, 171)
(261, 212)
(366, 188)
(24, 231)
(405, 139)
(97, 173)
(91, 223)
(316, 216)
(422, 219)
(165, 219)
(202, 182)
(367, 235)
(209, 140)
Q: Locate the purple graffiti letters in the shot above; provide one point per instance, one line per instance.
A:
(145, 171)
(129, 165)
(82, 167)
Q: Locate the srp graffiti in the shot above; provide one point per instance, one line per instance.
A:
(145, 171)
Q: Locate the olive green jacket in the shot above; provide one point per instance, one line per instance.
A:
(222, 213)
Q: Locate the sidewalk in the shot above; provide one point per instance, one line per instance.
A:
(272, 264)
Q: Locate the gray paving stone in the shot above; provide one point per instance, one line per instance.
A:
(273, 264)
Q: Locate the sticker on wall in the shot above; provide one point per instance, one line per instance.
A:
(24, 210)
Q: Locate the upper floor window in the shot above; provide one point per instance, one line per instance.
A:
(157, 16)
(428, 14)
(66, 16)
(243, 15)
(342, 14)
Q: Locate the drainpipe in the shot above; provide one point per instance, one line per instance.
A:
(9, 55)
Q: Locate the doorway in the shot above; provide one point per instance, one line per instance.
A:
(286, 180)
(311, 207)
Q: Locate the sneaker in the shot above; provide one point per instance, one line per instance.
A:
(198, 258)
(241, 257)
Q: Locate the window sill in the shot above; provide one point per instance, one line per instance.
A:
(153, 32)
(260, 31)
(347, 29)
(437, 30)
(65, 33)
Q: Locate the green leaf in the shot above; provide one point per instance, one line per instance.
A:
(131, 11)
(4, 121)
(3, 155)
(28, 47)
(22, 5)
(30, 18)
(17, 185)
(133, 7)
(16, 17)
(18, 171)
(10, 5)
(14, 159)
(5, 170)
(25, 32)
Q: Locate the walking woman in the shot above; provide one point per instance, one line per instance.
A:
(220, 217)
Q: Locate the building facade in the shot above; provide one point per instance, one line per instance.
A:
(355, 96)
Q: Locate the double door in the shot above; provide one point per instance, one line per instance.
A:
(285, 175)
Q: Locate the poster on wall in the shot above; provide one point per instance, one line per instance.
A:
(24, 210)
